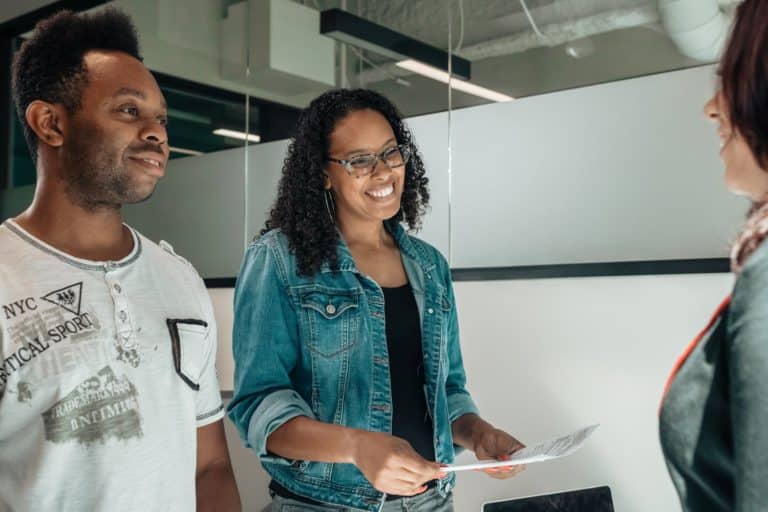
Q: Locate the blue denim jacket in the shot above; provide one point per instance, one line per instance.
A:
(316, 346)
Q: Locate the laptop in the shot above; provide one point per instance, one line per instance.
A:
(596, 499)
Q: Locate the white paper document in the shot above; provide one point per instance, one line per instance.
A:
(547, 450)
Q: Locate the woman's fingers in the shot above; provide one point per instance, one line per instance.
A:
(424, 469)
(413, 473)
(424, 472)
(504, 471)
(405, 488)
(391, 465)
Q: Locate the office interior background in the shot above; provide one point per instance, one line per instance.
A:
(576, 189)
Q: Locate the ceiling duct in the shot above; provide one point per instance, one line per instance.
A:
(699, 28)
(276, 45)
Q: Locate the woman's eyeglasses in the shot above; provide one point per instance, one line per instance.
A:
(363, 165)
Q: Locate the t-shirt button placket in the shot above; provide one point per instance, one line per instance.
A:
(124, 330)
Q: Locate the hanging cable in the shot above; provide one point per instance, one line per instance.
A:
(461, 26)
(360, 79)
(360, 57)
(531, 20)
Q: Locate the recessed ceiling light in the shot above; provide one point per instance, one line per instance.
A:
(185, 151)
(232, 134)
(459, 85)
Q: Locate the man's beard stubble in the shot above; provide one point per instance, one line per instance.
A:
(95, 172)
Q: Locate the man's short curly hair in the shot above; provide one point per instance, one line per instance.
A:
(49, 66)
(300, 210)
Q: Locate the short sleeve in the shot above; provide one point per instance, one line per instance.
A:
(210, 407)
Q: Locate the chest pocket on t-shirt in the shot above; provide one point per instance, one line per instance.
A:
(188, 345)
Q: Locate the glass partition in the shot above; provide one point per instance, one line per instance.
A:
(237, 73)
(573, 145)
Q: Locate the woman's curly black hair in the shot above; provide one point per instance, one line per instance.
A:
(300, 210)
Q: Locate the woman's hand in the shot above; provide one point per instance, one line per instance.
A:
(391, 465)
(492, 443)
(472, 432)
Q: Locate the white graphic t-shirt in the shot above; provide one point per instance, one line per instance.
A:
(107, 369)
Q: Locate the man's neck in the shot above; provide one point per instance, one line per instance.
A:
(95, 234)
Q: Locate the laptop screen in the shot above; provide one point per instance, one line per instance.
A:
(597, 499)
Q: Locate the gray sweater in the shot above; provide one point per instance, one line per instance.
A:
(714, 418)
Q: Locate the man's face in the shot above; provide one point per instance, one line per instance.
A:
(115, 146)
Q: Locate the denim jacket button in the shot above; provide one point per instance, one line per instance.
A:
(430, 311)
(330, 309)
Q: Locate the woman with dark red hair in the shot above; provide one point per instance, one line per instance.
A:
(714, 415)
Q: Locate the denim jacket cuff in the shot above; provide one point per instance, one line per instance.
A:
(274, 411)
(460, 404)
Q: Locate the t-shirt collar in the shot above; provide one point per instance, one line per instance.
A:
(71, 260)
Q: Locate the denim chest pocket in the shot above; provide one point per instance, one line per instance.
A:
(330, 320)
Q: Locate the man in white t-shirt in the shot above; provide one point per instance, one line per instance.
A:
(108, 390)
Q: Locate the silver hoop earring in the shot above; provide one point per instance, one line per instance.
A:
(329, 206)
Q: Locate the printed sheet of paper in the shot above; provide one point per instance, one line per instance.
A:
(547, 450)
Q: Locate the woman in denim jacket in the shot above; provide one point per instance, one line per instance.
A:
(349, 381)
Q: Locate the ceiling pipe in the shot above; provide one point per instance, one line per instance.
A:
(645, 15)
(563, 32)
(557, 33)
(699, 28)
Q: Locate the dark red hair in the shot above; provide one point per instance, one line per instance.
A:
(744, 77)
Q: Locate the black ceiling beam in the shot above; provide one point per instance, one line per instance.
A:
(357, 31)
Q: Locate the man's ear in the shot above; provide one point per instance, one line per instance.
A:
(45, 119)
(326, 181)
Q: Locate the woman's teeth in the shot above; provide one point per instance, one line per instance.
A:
(382, 192)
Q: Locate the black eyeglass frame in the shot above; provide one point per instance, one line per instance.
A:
(405, 151)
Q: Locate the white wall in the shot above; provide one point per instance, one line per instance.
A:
(621, 171)
(544, 357)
